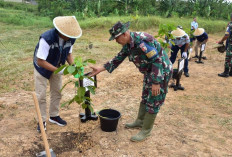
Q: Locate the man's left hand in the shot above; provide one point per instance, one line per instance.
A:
(155, 89)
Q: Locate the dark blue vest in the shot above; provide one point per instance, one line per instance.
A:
(202, 37)
(55, 56)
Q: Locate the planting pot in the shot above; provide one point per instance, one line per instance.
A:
(109, 119)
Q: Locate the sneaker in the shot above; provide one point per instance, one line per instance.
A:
(57, 120)
(196, 56)
(38, 128)
(186, 74)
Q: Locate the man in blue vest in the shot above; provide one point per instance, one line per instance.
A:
(202, 39)
(53, 50)
(181, 42)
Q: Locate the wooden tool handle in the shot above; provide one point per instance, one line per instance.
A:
(41, 125)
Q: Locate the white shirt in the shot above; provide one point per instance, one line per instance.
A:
(180, 42)
(194, 25)
(44, 48)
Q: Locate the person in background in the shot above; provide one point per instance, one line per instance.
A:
(53, 50)
(148, 56)
(202, 38)
(194, 26)
(228, 60)
(181, 42)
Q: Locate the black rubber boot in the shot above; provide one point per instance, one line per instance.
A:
(230, 73)
(225, 73)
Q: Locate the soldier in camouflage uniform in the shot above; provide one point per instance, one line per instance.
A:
(228, 60)
(148, 56)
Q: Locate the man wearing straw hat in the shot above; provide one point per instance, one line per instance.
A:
(181, 42)
(148, 56)
(194, 26)
(202, 38)
(53, 50)
(228, 60)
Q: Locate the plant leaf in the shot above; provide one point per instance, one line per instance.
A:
(91, 108)
(91, 89)
(65, 85)
(90, 61)
(59, 69)
(84, 106)
(81, 91)
(68, 102)
(66, 71)
(172, 42)
(71, 69)
(78, 99)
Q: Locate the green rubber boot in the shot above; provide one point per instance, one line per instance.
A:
(148, 123)
(139, 120)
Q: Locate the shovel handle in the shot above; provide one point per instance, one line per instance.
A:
(48, 154)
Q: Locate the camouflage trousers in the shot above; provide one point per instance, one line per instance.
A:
(228, 59)
(153, 103)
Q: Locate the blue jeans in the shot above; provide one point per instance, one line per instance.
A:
(174, 52)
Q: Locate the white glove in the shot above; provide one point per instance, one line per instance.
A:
(184, 55)
(190, 50)
(203, 47)
(61, 72)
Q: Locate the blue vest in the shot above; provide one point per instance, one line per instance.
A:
(56, 57)
(202, 37)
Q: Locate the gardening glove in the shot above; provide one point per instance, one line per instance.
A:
(203, 47)
(190, 50)
(184, 55)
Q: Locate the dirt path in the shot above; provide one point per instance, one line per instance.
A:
(193, 122)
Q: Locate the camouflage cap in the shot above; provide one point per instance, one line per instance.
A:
(118, 29)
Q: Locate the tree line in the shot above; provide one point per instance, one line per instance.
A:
(218, 9)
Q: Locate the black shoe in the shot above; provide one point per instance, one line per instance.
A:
(38, 128)
(186, 74)
(223, 75)
(204, 57)
(57, 120)
(196, 56)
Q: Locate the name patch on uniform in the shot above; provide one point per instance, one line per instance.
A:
(151, 54)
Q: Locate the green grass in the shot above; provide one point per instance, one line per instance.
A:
(30, 19)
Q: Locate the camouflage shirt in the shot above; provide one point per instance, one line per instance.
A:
(157, 67)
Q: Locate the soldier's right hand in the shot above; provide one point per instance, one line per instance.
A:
(96, 70)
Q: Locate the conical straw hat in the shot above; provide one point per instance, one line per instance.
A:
(68, 26)
(218, 45)
(178, 33)
(198, 32)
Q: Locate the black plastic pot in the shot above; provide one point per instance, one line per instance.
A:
(109, 119)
